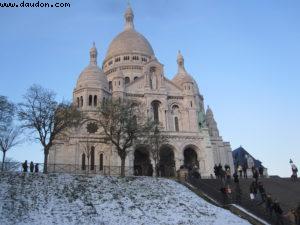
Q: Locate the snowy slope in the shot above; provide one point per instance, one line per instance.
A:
(69, 199)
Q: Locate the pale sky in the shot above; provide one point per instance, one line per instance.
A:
(243, 54)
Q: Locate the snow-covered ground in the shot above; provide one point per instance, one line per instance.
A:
(72, 199)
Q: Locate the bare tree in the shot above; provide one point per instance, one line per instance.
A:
(154, 139)
(122, 124)
(40, 113)
(9, 138)
(7, 110)
(11, 165)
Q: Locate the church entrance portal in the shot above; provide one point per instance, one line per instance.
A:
(166, 166)
(190, 158)
(142, 163)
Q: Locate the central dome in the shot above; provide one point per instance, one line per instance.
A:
(129, 41)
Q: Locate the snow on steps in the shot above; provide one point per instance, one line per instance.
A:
(73, 199)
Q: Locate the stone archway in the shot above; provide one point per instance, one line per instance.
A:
(166, 165)
(142, 164)
(190, 158)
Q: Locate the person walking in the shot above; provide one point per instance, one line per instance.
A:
(278, 212)
(269, 206)
(253, 190)
(36, 168)
(31, 167)
(25, 166)
(262, 192)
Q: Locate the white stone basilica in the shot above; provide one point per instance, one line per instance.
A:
(131, 70)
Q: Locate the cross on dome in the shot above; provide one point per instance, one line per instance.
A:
(93, 54)
(129, 18)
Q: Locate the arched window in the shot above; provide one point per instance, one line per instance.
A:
(101, 162)
(92, 158)
(110, 86)
(78, 102)
(95, 100)
(127, 80)
(155, 106)
(176, 123)
(90, 100)
(83, 161)
(191, 103)
(81, 101)
(135, 78)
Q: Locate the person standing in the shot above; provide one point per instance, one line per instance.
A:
(245, 167)
(269, 205)
(294, 172)
(253, 190)
(25, 166)
(31, 167)
(240, 170)
(36, 168)
(262, 192)
(261, 171)
(278, 212)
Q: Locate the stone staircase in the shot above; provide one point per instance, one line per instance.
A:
(282, 189)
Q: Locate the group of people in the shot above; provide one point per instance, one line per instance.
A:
(32, 167)
(223, 174)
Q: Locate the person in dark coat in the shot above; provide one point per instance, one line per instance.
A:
(269, 205)
(235, 178)
(36, 168)
(278, 212)
(255, 174)
(253, 188)
(245, 167)
(261, 171)
(224, 195)
(216, 171)
(262, 192)
(25, 166)
(31, 167)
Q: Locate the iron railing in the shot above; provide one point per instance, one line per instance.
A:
(69, 168)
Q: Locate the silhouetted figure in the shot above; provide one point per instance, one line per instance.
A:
(269, 206)
(150, 170)
(31, 167)
(245, 167)
(224, 195)
(261, 171)
(216, 172)
(36, 168)
(262, 192)
(278, 212)
(238, 194)
(255, 174)
(235, 178)
(25, 166)
(253, 189)
(294, 172)
(240, 170)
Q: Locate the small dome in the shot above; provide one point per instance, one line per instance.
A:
(129, 41)
(92, 75)
(182, 76)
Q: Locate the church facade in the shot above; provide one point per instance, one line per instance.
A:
(131, 70)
